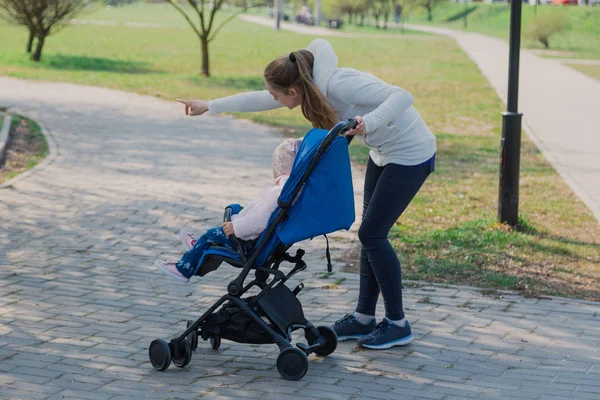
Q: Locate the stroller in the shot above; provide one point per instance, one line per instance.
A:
(317, 199)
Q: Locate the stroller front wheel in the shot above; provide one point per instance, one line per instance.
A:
(331, 341)
(159, 354)
(292, 364)
(183, 354)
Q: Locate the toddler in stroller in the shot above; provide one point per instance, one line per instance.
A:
(316, 199)
(246, 223)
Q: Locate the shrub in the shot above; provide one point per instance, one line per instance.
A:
(545, 25)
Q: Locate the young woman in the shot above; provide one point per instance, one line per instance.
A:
(401, 157)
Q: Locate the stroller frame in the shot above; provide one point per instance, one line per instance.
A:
(275, 301)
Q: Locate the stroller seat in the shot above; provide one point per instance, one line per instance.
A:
(215, 255)
(316, 199)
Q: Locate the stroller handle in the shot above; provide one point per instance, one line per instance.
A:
(339, 129)
(232, 238)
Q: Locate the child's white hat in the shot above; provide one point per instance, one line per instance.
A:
(283, 157)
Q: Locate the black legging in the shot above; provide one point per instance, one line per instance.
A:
(388, 191)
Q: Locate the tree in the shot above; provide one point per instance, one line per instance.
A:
(347, 7)
(429, 5)
(362, 9)
(546, 25)
(382, 8)
(206, 11)
(41, 17)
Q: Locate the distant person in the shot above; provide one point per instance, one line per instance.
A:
(397, 13)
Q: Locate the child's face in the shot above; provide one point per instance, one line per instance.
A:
(291, 99)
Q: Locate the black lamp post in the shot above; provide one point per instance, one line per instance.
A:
(510, 146)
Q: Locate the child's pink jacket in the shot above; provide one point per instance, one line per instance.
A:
(254, 218)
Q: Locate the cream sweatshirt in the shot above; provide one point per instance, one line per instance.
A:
(395, 131)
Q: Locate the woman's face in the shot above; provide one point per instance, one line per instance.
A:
(289, 100)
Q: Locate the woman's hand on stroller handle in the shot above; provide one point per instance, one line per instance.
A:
(357, 126)
(194, 107)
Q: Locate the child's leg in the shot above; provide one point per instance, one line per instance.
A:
(188, 264)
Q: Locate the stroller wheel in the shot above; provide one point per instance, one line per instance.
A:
(183, 356)
(192, 337)
(331, 341)
(292, 364)
(215, 341)
(160, 354)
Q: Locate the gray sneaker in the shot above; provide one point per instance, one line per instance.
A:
(386, 335)
(350, 328)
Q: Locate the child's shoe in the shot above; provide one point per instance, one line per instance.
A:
(169, 268)
(188, 238)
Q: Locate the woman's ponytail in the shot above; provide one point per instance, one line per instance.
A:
(296, 70)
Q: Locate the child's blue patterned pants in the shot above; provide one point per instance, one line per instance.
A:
(189, 263)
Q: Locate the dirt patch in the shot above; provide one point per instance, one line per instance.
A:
(26, 148)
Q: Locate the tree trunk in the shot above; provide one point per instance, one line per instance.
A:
(349, 18)
(545, 42)
(205, 65)
(362, 20)
(429, 15)
(37, 55)
(30, 41)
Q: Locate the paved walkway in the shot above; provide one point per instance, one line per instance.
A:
(80, 300)
(561, 106)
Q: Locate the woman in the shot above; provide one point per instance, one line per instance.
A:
(401, 157)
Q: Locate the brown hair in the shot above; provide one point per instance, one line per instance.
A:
(296, 71)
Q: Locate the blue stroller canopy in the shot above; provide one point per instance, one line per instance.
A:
(326, 202)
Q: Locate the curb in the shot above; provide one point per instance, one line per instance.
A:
(4, 135)
(52, 154)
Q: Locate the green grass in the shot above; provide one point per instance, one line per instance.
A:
(589, 70)
(448, 233)
(35, 138)
(580, 40)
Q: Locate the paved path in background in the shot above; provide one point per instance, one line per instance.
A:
(561, 106)
(80, 300)
(317, 31)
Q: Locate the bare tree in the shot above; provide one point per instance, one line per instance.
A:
(362, 9)
(41, 17)
(429, 5)
(382, 8)
(346, 7)
(206, 10)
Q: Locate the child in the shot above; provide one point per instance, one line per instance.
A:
(246, 224)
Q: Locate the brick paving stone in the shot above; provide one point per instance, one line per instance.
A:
(80, 299)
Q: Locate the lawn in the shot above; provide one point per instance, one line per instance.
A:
(27, 147)
(589, 70)
(580, 39)
(449, 233)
